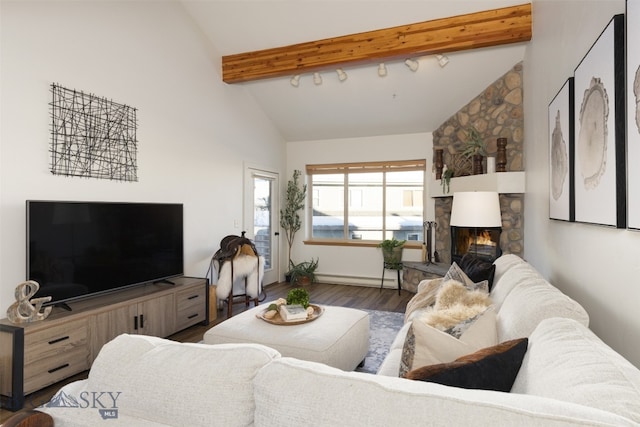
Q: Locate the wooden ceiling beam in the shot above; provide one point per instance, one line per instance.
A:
(471, 31)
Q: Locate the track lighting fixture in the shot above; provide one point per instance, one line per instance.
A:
(412, 64)
(382, 70)
(442, 60)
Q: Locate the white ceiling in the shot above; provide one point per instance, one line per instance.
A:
(364, 104)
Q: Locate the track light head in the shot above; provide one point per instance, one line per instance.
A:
(342, 76)
(412, 64)
(295, 80)
(443, 60)
(382, 70)
(317, 79)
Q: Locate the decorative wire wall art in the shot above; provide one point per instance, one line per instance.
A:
(92, 137)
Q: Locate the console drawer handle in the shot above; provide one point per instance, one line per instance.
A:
(193, 296)
(192, 316)
(57, 340)
(51, 371)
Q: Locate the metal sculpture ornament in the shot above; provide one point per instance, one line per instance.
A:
(25, 309)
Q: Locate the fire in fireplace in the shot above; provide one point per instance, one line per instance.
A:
(483, 242)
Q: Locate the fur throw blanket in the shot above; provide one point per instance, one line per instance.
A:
(249, 267)
(454, 304)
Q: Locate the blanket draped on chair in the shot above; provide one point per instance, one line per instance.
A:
(249, 267)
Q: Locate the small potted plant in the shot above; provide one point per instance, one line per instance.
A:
(392, 251)
(298, 296)
(475, 148)
(447, 174)
(304, 272)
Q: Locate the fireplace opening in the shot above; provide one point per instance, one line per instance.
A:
(482, 242)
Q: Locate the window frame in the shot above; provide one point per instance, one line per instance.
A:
(352, 168)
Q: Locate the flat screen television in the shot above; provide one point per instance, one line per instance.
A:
(79, 249)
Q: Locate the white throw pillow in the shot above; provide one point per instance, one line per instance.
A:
(426, 345)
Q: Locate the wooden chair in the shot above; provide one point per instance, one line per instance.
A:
(237, 259)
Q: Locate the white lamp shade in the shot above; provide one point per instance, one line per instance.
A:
(476, 209)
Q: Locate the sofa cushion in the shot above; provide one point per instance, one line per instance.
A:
(492, 368)
(567, 361)
(478, 269)
(528, 304)
(293, 392)
(504, 264)
(426, 345)
(180, 384)
(518, 274)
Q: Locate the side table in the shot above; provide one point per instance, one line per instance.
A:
(415, 272)
(392, 266)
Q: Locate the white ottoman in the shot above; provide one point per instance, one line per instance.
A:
(338, 338)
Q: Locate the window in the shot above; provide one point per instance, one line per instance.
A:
(367, 201)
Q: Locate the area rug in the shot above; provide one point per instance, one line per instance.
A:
(383, 327)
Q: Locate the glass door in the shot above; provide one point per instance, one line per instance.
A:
(261, 218)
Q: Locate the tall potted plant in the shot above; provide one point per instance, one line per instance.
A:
(293, 203)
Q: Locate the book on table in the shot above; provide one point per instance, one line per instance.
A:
(292, 312)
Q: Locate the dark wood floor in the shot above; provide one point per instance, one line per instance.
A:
(323, 294)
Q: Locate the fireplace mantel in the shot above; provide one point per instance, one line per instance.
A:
(502, 182)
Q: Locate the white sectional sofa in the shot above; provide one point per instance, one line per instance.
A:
(569, 377)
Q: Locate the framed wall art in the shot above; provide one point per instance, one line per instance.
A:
(599, 155)
(633, 112)
(91, 136)
(561, 179)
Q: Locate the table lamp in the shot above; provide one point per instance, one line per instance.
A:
(476, 209)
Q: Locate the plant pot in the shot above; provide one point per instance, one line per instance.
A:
(477, 164)
(303, 281)
(392, 257)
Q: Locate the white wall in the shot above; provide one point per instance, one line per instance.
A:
(354, 265)
(194, 132)
(597, 266)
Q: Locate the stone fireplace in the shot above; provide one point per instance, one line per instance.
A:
(495, 113)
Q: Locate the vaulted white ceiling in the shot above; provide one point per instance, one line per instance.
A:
(364, 104)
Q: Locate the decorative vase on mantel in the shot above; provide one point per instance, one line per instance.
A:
(501, 155)
(439, 162)
(477, 164)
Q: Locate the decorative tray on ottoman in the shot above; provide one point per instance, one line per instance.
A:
(277, 319)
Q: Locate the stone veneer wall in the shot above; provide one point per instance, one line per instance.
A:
(496, 113)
